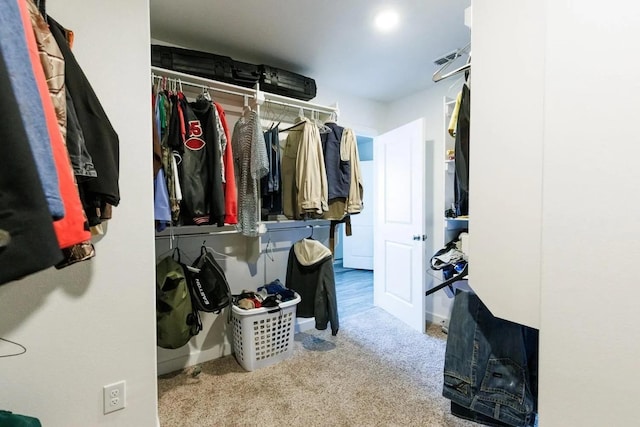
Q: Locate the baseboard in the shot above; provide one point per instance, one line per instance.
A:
(194, 358)
(216, 352)
(438, 319)
(305, 324)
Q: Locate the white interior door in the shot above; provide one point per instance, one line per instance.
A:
(399, 217)
(358, 248)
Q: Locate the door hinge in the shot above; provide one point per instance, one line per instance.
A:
(418, 237)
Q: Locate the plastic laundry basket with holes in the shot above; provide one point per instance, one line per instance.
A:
(264, 336)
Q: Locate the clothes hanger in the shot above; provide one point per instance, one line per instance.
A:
(268, 249)
(311, 236)
(22, 350)
(209, 248)
(173, 250)
(333, 118)
(322, 128)
(460, 276)
(246, 109)
(205, 94)
(301, 120)
(438, 75)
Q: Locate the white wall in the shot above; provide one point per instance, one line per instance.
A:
(93, 323)
(589, 335)
(574, 246)
(428, 104)
(364, 116)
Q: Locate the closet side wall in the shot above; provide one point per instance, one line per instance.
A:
(587, 229)
(93, 323)
(589, 335)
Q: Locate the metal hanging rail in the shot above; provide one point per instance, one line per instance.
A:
(257, 95)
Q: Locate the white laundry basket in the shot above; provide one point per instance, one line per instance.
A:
(264, 336)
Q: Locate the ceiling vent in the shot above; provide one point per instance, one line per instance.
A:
(446, 58)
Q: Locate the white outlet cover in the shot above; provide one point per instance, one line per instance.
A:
(114, 397)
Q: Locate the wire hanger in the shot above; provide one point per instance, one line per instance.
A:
(460, 276)
(438, 75)
(322, 128)
(172, 249)
(268, 249)
(209, 248)
(301, 120)
(22, 350)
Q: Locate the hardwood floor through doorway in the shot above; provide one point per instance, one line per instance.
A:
(354, 290)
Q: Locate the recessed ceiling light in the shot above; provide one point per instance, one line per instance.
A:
(387, 20)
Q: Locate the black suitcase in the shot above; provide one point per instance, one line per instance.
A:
(245, 74)
(203, 64)
(287, 83)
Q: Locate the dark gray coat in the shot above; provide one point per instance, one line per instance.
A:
(310, 274)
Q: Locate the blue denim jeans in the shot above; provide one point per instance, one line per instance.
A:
(491, 365)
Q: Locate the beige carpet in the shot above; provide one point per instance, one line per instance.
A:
(376, 372)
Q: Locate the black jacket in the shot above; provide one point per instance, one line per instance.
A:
(201, 168)
(101, 139)
(310, 274)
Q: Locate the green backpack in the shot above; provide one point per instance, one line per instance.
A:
(9, 419)
(177, 321)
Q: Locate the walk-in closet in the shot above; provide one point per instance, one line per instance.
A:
(494, 239)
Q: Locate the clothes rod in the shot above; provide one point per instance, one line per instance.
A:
(195, 234)
(452, 73)
(308, 107)
(293, 227)
(208, 83)
(199, 86)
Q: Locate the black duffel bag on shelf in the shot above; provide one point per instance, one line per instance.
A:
(202, 64)
(227, 70)
(286, 83)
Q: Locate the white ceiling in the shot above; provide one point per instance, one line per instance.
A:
(331, 41)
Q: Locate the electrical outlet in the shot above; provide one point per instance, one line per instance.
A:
(114, 396)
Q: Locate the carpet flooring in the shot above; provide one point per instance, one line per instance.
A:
(375, 372)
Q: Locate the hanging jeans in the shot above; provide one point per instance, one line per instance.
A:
(491, 365)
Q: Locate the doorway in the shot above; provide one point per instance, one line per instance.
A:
(353, 265)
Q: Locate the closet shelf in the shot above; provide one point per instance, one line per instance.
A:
(295, 224)
(456, 223)
(257, 96)
(195, 230)
(212, 230)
